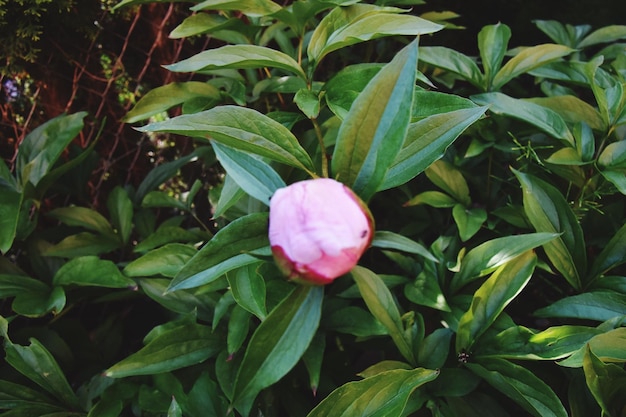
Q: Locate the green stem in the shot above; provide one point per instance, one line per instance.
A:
(320, 138)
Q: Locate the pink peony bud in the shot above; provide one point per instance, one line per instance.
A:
(318, 230)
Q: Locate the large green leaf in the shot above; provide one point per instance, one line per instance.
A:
(598, 305)
(345, 86)
(10, 204)
(607, 383)
(608, 347)
(83, 244)
(252, 8)
(178, 347)
(541, 117)
(548, 211)
(162, 98)
(227, 250)
(11, 285)
(121, 212)
(381, 304)
(238, 57)
(201, 23)
(572, 109)
(254, 176)
(493, 41)
(527, 60)
(492, 297)
(454, 62)
(240, 128)
(166, 260)
(605, 34)
(37, 364)
(381, 395)
(613, 254)
(488, 256)
(519, 342)
(278, 344)
(389, 240)
(248, 288)
(92, 271)
(42, 147)
(83, 217)
(426, 141)
(374, 129)
(345, 26)
(521, 385)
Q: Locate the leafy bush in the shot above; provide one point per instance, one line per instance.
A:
(494, 285)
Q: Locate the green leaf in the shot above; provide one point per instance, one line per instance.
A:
(617, 178)
(106, 407)
(607, 383)
(226, 251)
(613, 156)
(608, 347)
(10, 204)
(345, 26)
(426, 141)
(238, 57)
(42, 147)
(166, 260)
(82, 244)
(16, 396)
(241, 128)
(519, 342)
(39, 303)
(454, 62)
(83, 217)
(521, 385)
(605, 34)
(541, 117)
(11, 285)
(92, 271)
(37, 364)
(428, 103)
(468, 221)
(449, 178)
(492, 297)
(488, 256)
(355, 321)
(164, 97)
(573, 110)
(178, 347)
(238, 326)
(278, 344)
(527, 60)
(493, 41)
(425, 290)
(380, 114)
(253, 175)
(435, 199)
(252, 8)
(381, 304)
(183, 301)
(308, 102)
(248, 288)
(613, 254)
(384, 394)
(548, 211)
(345, 86)
(594, 305)
(200, 23)
(164, 235)
(121, 212)
(389, 240)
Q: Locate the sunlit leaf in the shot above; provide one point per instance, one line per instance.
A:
(384, 394)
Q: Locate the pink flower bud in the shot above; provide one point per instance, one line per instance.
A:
(318, 230)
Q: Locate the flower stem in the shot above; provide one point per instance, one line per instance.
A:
(320, 138)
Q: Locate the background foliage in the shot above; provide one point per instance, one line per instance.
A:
(496, 173)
